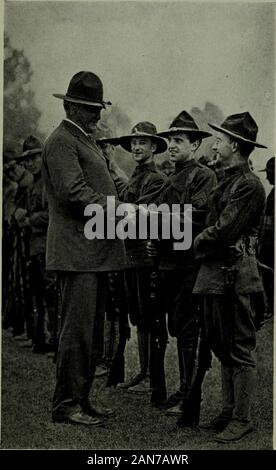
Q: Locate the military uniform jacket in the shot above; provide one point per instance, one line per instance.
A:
(76, 174)
(190, 184)
(236, 208)
(266, 235)
(38, 215)
(145, 181)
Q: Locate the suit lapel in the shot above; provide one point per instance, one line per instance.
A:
(82, 137)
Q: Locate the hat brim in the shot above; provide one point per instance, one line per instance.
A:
(80, 101)
(236, 136)
(161, 144)
(111, 140)
(30, 152)
(185, 130)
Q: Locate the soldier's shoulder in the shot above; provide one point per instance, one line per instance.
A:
(204, 171)
(249, 180)
(252, 179)
(155, 176)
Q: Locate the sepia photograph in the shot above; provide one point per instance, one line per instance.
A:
(138, 173)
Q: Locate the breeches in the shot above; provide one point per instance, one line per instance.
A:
(181, 306)
(230, 331)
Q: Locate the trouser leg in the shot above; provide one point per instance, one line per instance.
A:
(227, 387)
(81, 337)
(143, 350)
(244, 385)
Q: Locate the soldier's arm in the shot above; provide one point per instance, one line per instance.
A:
(39, 219)
(244, 205)
(152, 187)
(204, 183)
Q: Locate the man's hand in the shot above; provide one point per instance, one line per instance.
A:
(20, 214)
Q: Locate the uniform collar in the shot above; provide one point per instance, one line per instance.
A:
(239, 168)
(179, 166)
(150, 166)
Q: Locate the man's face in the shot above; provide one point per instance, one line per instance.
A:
(34, 163)
(180, 148)
(142, 149)
(223, 149)
(87, 117)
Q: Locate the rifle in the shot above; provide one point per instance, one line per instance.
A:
(158, 339)
(191, 405)
(119, 324)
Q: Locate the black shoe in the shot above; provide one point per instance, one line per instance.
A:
(79, 417)
(134, 381)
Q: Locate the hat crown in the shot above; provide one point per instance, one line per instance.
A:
(144, 127)
(241, 124)
(86, 86)
(184, 121)
(31, 143)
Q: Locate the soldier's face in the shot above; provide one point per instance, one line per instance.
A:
(142, 149)
(223, 148)
(34, 164)
(180, 148)
(87, 117)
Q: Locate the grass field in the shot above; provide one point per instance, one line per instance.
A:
(27, 388)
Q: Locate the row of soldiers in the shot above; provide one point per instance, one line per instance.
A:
(191, 182)
(32, 289)
(30, 293)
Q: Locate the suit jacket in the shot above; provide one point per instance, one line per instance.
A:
(76, 175)
(236, 208)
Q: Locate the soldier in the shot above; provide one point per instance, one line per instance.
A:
(266, 239)
(228, 277)
(143, 144)
(9, 194)
(266, 250)
(190, 183)
(21, 305)
(76, 175)
(43, 284)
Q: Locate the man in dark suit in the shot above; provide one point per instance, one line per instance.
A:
(76, 174)
(228, 278)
